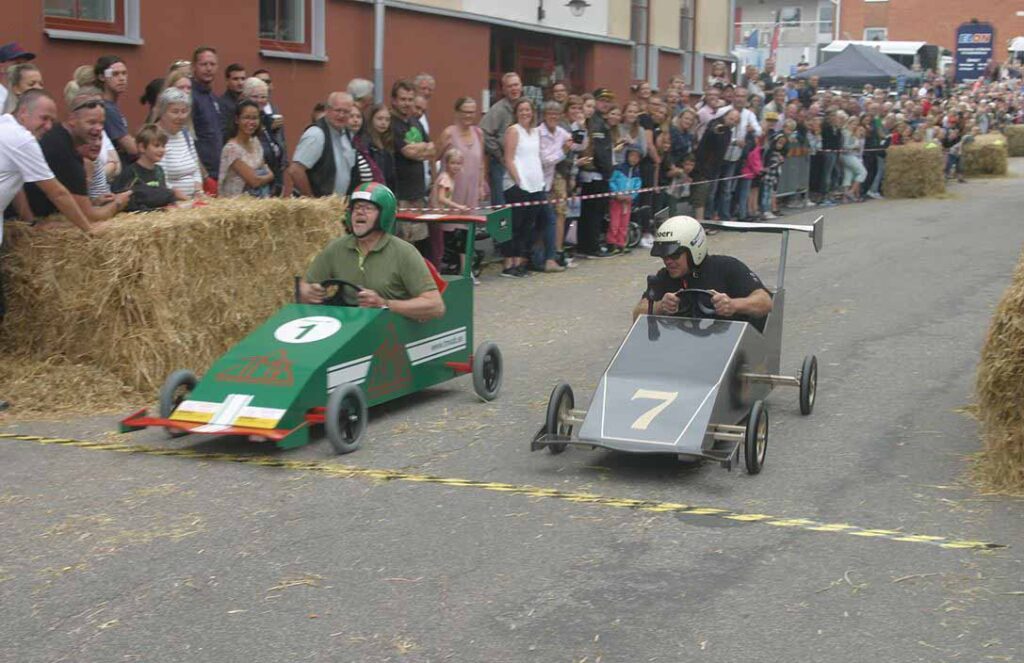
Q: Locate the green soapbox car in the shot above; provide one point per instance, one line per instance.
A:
(328, 363)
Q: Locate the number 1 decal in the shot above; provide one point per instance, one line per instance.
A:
(309, 329)
(305, 330)
(645, 419)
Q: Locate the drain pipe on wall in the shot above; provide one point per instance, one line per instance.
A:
(378, 51)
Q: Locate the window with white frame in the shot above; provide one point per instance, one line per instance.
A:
(876, 34)
(686, 25)
(638, 34)
(826, 19)
(114, 21)
(283, 20)
(789, 17)
(292, 29)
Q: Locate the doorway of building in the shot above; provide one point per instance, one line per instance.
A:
(539, 59)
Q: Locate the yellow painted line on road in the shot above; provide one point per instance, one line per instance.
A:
(654, 506)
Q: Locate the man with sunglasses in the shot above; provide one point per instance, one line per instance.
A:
(66, 146)
(736, 291)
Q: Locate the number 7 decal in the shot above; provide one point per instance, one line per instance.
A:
(645, 419)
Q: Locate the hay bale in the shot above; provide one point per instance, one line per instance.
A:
(1014, 140)
(985, 155)
(1000, 392)
(159, 291)
(914, 171)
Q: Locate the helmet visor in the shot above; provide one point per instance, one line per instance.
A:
(664, 249)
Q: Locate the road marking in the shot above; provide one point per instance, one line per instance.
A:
(654, 506)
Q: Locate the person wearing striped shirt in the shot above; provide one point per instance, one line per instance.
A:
(181, 160)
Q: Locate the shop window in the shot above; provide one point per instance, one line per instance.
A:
(292, 28)
(638, 34)
(115, 21)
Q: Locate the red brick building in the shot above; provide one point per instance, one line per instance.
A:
(334, 44)
(931, 21)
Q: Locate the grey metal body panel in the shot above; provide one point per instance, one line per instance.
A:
(688, 369)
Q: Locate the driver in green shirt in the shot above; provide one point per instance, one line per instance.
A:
(390, 271)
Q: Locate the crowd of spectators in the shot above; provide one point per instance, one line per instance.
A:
(582, 165)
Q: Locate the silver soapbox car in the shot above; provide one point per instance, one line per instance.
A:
(690, 386)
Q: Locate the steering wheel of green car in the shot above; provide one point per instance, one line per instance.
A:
(344, 293)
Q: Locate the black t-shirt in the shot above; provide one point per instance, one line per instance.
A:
(67, 166)
(721, 273)
(647, 122)
(409, 174)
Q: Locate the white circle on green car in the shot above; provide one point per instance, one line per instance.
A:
(307, 330)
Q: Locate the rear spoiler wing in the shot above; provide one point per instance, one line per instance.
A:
(816, 230)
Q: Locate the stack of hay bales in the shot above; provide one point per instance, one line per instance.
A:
(1000, 387)
(158, 291)
(1015, 140)
(985, 155)
(914, 171)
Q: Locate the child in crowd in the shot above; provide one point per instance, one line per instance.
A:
(774, 155)
(750, 185)
(145, 178)
(625, 177)
(441, 198)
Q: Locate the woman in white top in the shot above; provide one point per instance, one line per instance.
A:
(242, 168)
(524, 183)
(181, 161)
(854, 171)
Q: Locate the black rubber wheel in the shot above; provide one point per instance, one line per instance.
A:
(633, 235)
(478, 263)
(755, 443)
(176, 389)
(345, 419)
(487, 371)
(808, 384)
(561, 401)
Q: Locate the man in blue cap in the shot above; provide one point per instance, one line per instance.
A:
(11, 54)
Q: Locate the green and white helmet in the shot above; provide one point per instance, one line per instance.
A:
(379, 195)
(681, 232)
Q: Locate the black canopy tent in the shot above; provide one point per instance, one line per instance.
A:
(857, 66)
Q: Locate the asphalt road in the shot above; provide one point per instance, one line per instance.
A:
(108, 556)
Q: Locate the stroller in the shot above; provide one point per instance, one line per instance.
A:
(454, 247)
(644, 216)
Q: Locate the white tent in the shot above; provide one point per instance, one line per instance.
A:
(887, 47)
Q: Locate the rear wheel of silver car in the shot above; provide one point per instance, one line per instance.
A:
(561, 402)
(174, 392)
(345, 418)
(755, 443)
(808, 384)
(633, 235)
(487, 371)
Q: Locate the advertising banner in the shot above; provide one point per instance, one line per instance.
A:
(974, 49)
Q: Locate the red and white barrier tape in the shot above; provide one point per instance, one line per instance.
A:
(590, 196)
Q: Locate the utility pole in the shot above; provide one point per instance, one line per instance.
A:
(378, 51)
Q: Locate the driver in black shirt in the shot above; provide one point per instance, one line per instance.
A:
(736, 293)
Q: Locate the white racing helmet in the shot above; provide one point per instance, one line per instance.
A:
(681, 232)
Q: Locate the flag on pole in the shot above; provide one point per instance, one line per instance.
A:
(776, 31)
(753, 38)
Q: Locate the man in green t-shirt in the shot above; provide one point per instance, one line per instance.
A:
(390, 272)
